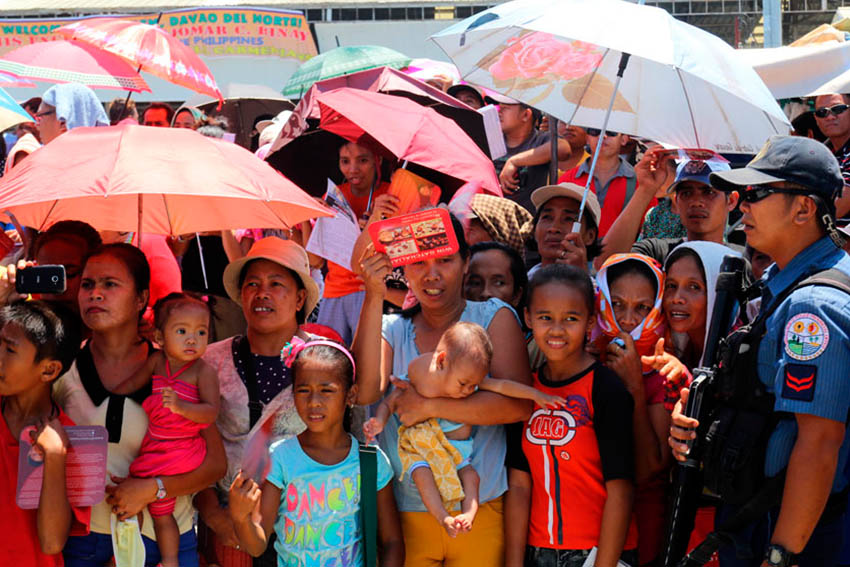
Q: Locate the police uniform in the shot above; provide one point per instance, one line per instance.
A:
(804, 356)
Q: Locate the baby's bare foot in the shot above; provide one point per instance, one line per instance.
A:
(449, 525)
(464, 521)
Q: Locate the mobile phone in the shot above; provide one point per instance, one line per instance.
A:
(41, 279)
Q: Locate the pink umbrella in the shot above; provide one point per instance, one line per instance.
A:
(389, 81)
(395, 127)
(158, 180)
(149, 47)
(72, 62)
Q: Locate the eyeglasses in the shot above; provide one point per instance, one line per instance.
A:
(596, 131)
(824, 111)
(756, 193)
(40, 115)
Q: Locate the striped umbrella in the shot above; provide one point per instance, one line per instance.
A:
(342, 61)
(149, 47)
(72, 62)
(8, 80)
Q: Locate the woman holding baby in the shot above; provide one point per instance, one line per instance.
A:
(384, 345)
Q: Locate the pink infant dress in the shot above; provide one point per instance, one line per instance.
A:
(172, 444)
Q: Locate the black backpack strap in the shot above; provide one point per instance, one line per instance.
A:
(832, 277)
(255, 407)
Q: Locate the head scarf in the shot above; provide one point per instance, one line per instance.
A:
(711, 255)
(76, 105)
(652, 328)
(506, 221)
(197, 115)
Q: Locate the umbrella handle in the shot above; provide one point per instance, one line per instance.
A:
(624, 61)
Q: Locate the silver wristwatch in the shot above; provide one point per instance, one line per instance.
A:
(160, 488)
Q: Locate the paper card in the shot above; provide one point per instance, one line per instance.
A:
(493, 129)
(85, 468)
(333, 239)
(414, 237)
(413, 192)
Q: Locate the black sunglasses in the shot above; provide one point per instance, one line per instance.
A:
(596, 131)
(824, 111)
(756, 193)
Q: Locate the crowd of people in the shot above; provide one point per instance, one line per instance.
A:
(526, 392)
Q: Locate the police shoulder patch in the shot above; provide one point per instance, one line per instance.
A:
(806, 336)
(799, 382)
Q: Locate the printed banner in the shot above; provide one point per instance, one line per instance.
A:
(211, 32)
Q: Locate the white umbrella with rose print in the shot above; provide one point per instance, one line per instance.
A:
(681, 86)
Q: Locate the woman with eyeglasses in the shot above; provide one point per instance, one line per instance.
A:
(833, 120)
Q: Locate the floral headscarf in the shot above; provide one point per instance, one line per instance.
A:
(652, 328)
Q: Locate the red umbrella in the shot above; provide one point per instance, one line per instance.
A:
(72, 62)
(158, 180)
(395, 127)
(149, 47)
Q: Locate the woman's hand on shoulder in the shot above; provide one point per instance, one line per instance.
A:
(665, 363)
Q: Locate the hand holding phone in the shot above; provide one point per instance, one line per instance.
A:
(41, 279)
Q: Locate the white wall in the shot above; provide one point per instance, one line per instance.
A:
(408, 37)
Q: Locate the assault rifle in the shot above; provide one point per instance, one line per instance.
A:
(688, 478)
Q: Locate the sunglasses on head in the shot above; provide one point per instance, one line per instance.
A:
(596, 131)
(756, 193)
(824, 111)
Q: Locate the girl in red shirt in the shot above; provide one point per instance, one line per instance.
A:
(579, 459)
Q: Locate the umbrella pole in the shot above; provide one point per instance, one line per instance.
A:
(139, 225)
(124, 110)
(624, 61)
(553, 145)
(203, 264)
(127, 101)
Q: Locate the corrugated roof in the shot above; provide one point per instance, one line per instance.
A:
(56, 7)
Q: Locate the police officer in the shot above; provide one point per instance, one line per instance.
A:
(787, 195)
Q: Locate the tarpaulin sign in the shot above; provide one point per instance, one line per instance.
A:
(211, 32)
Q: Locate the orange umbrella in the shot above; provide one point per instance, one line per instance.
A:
(149, 47)
(159, 180)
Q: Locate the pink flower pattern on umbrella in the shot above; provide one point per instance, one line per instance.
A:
(536, 55)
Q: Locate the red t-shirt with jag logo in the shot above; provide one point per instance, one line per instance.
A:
(571, 452)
